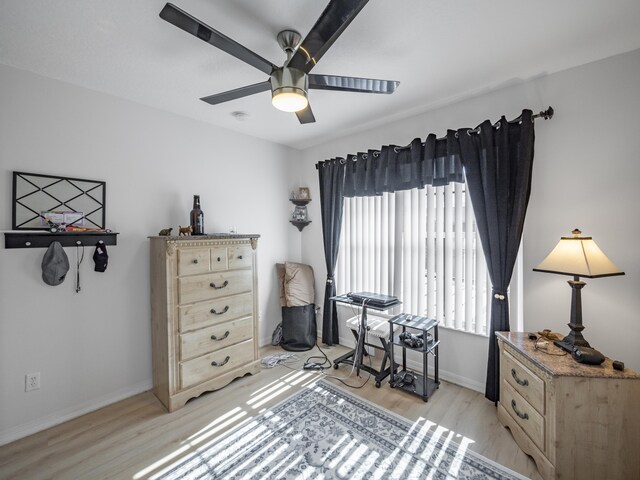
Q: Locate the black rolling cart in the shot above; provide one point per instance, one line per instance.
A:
(418, 384)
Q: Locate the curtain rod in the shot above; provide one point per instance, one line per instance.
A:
(546, 114)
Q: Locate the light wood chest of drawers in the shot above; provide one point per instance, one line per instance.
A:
(204, 311)
(576, 421)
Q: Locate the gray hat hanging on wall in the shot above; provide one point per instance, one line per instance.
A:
(55, 264)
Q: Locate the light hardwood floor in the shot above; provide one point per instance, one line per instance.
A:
(136, 437)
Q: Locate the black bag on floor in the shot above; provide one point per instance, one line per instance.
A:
(299, 330)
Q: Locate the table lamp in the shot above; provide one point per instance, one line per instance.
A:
(579, 257)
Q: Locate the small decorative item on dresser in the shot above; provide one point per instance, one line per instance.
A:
(197, 217)
(165, 232)
(185, 230)
(618, 365)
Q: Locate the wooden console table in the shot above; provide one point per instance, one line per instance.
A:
(575, 420)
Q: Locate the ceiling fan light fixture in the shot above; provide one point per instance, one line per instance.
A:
(289, 101)
(289, 89)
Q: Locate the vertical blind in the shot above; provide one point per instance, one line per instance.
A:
(422, 246)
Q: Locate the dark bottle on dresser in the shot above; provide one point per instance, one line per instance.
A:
(197, 217)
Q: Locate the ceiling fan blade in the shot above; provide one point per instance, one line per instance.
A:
(195, 27)
(306, 115)
(237, 93)
(352, 84)
(333, 21)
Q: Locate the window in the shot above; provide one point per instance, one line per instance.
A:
(422, 246)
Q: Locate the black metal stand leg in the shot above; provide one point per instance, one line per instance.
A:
(404, 353)
(392, 362)
(361, 335)
(385, 357)
(425, 366)
(437, 360)
(355, 336)
(384, 372)
(343, 358)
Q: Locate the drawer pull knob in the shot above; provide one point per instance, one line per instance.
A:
(216, 364)
(524, 416)
(226, 309)
(195, 260)
(219, 259)
(524, 382)
(226, 334)
(240, 257)
(213, 285)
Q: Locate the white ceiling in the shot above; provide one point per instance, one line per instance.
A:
(439, 50)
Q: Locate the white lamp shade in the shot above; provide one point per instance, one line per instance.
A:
(580, 257)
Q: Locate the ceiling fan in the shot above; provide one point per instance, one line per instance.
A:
(289, 83)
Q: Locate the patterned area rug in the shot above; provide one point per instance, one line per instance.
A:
(323, 432)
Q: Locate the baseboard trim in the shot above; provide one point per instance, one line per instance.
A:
(20, 431)
(263, 342)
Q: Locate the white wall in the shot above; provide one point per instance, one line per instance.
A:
(586, 174)
(94, 347)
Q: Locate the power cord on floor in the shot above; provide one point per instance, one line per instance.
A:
(320, 366)
(310, 365)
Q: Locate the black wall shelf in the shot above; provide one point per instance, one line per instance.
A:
(25, 239)
(300, 202)
(300, 224)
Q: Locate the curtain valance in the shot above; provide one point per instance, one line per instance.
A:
(392, 168)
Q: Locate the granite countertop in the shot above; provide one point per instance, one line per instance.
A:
(563, 365)
(208, 236)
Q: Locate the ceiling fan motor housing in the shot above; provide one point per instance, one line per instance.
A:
(289, 80)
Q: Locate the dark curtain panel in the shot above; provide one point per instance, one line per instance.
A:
(331, 177)
(498, 164)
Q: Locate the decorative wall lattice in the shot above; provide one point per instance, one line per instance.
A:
(34, 193)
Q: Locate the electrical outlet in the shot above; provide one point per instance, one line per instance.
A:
(31, 381)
